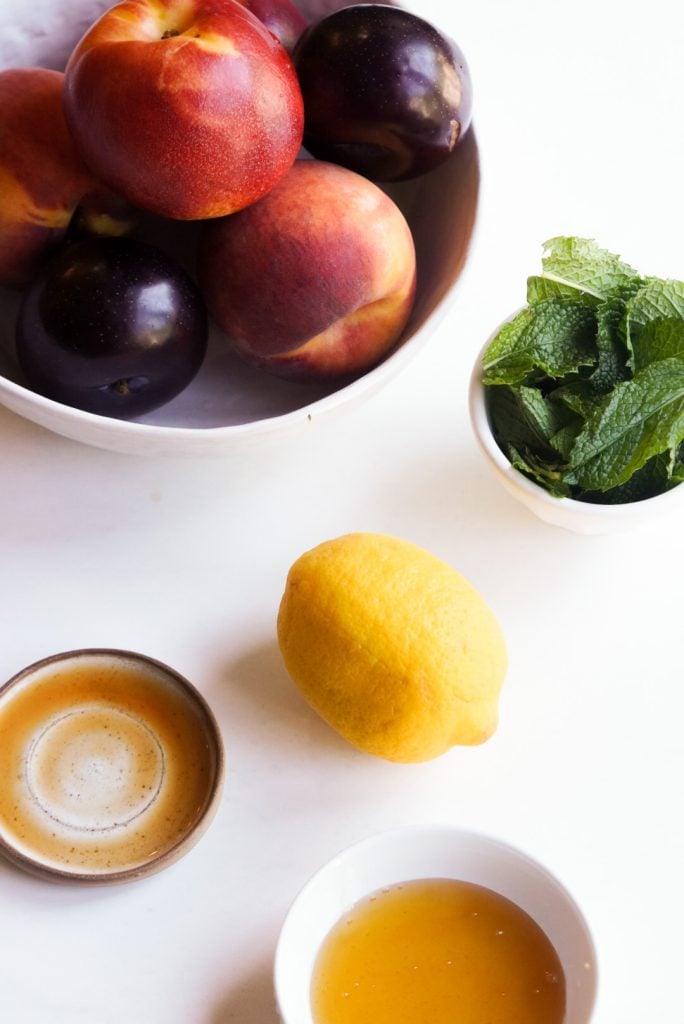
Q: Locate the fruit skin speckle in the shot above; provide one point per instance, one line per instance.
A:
(392, 647)
(190, 111)
(300, 285)
(42, 177)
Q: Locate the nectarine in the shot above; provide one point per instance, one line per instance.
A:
(317, 279)
(42, 177)
(188, 108)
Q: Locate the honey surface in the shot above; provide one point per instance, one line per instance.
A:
(437, 951)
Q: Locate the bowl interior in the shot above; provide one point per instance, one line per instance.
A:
(408, 854)
(579, 517)
(112, 763)
(228, 399)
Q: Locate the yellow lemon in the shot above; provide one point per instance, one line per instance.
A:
(392, 647)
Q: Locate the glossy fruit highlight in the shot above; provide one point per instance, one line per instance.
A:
(385, 93)
(112, 326)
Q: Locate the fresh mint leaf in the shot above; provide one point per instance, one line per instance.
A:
(563, 441)
(542, 473)
(659, 339)
(643, 417)
(540, 289)
(504, 342)
(528, 420)
(656, 300)
(579, 395)
(678, 467)
(547, 418)
(615, 356)
(579, 263)
(653, 478)
(551, 339)
(586, 384)
(511, 425)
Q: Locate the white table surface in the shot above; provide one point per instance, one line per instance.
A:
(579, 115)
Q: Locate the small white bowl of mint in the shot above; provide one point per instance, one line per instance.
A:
(577, 401)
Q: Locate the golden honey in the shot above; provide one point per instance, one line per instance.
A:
(437, 951)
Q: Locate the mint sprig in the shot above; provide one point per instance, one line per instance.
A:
(550, 339)
(585, 386)
(579, 263)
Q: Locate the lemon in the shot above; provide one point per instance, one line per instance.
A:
(392, 647)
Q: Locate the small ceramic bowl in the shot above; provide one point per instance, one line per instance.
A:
(577, 516)
(112, 767)
(431, 852)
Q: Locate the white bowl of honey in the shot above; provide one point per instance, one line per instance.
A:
(432, 924)
(112, 767)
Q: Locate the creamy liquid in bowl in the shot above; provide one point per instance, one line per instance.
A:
(106, 764)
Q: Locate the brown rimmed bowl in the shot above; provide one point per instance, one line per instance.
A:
(112, 765)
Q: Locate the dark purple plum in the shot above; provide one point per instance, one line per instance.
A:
(385, 93)
(113, 326)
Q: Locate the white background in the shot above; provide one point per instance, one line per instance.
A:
(579, 120)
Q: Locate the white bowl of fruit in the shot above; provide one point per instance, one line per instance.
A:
(211, 233)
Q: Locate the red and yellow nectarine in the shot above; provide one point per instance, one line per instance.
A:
(42, 177)
(316, 280)
(188, 108)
